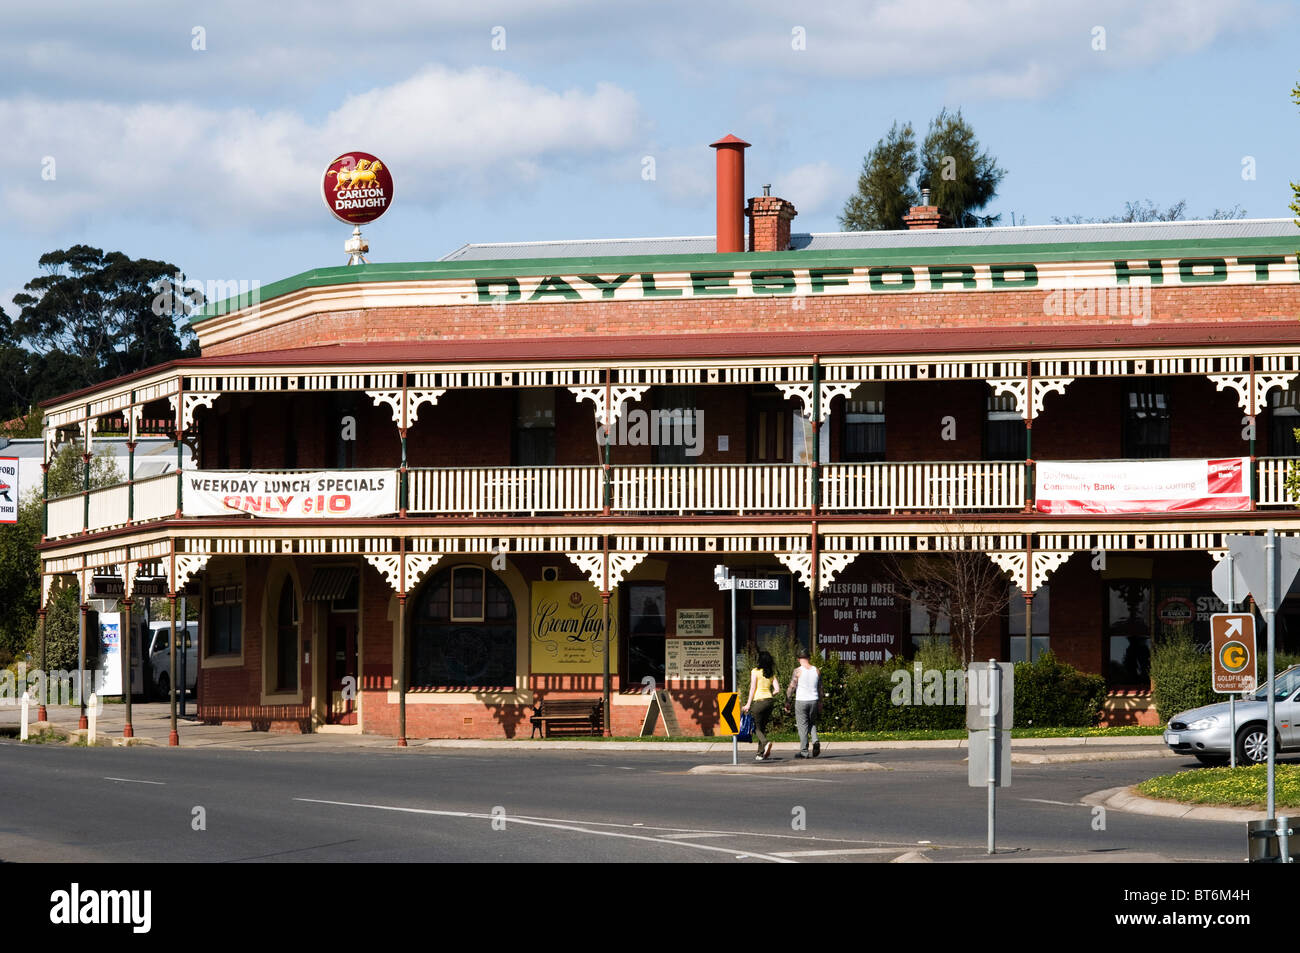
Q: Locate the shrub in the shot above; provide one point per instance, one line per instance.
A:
(1180, 675)
(1051, 694)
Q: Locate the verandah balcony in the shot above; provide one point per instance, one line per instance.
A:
(725, 489)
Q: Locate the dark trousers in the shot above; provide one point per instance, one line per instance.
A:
(762, 712)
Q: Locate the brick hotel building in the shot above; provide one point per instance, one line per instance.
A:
(401, 510)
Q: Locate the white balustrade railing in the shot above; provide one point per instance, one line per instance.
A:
(65, 516)
(1272, 481)
(923, 486)
(530, 490)
(109, 507)
(155, 498)
(694, 488)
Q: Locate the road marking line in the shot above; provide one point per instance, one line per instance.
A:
(685, 836)
(1039, 800)
(135, 781)
(832, 853)
(557, 824)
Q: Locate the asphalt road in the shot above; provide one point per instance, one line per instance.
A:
(148, 804)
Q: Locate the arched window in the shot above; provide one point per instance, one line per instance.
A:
(286, 640)
(463, 632)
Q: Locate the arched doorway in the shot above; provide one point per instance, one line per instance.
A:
(464, 632)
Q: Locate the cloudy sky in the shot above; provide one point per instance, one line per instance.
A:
(197, 132)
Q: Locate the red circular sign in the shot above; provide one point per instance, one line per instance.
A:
(357, 188)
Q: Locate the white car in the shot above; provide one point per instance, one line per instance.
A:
(160, 655)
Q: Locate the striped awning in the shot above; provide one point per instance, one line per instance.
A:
(331, 583)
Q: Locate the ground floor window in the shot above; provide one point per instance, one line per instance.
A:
(449, 652)
(225, 620)
(286, 640)
(1128, 632)
(1041, 619)
(646, 628)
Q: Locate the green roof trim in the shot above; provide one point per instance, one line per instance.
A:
(750, 261)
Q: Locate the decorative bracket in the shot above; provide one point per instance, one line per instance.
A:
(799, 564)
(190, 402)
(186, 565)
(129, 570)
(1018, 387)
(404, 415)
(621, 393)
(88, 428)
(803, 392)
(1013, 563)
(1251, 404)
(390, 566)
(593, 564)
(1047, 562)
(831, 565)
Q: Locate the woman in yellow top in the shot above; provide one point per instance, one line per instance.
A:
(762, 687)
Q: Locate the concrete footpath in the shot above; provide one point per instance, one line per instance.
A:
(152, 725)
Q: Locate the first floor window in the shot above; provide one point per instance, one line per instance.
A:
(1146, 421)
(1004, 429)
(864, 424)
(225, 620)
(1284, 418)
(928, 624)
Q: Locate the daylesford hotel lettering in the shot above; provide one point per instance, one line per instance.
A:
(890, 279)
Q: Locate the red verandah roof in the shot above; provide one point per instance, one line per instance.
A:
(876, 343)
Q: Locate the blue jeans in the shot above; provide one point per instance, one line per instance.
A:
(805, 716)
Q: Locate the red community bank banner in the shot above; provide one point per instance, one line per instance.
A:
(305, 494)
(1142, 486)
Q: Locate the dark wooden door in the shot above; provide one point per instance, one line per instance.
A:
(341, 671)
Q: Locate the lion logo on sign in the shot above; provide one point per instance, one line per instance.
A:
(363, 175)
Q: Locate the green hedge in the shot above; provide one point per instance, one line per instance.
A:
(876, 697)
(1051, 694)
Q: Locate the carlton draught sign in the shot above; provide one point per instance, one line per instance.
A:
(337, 494)
(357, 188)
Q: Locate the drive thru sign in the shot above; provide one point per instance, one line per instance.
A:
(1232, 645)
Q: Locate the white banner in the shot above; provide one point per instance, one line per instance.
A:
(8, 489)
(1142, 486)
(315, 494)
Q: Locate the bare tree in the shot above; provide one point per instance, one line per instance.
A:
(956, 579)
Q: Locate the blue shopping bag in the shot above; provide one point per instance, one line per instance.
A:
(746, 732)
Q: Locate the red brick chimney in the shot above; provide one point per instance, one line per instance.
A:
(731, 193)
(926, 215)
(769, 222)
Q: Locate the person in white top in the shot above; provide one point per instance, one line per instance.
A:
(805, 689)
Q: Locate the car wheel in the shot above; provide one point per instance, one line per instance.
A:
(164, 686)
(1213, 760)
(1252, 745)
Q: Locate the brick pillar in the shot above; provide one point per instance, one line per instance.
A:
(769, 223)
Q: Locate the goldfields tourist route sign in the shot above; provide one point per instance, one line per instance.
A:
(1232, 644)
(357, 188)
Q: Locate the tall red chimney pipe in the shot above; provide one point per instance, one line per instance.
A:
(731, 193)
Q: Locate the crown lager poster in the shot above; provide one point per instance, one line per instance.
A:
(566, 629)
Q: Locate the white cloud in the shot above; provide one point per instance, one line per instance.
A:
(441, 131)
(815, 188)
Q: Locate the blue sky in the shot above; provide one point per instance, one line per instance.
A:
(211, 158)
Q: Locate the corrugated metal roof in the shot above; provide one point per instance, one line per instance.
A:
(875, 341)
(904, 238)
(330, 583)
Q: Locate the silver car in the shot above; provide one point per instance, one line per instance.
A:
(1207, 732)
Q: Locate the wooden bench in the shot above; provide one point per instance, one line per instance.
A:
(567, 712)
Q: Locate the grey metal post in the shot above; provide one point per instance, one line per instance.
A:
(735, 625)
(1232, 699)
(1270, 553)
(995, 696)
